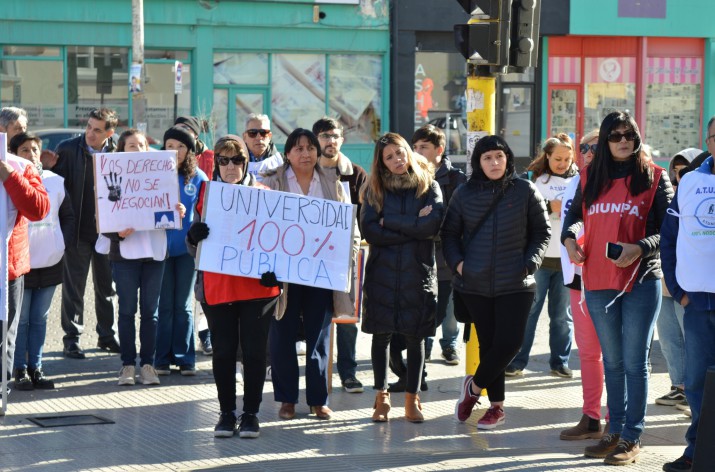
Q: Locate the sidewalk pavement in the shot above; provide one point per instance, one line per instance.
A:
(170, 426)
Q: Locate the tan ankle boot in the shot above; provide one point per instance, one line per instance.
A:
(382, 407)
(413, 408)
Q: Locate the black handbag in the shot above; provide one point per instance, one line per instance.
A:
(461, 312)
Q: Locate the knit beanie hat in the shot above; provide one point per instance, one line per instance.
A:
(181, 135)
(190, 121)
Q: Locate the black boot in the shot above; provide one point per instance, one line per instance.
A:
(397, 387)
(22, 380)
(423, 383)
(39, 380)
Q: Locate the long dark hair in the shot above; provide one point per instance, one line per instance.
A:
(602, 165)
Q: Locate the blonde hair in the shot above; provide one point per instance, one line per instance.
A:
(374, 190)
(590, 136)
(540, 165)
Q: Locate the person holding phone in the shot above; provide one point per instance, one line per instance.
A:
(622, 199)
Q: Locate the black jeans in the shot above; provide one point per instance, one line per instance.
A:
(15, 290)
(415, 360)
(74, 283)
(245, 323)
(500, 323)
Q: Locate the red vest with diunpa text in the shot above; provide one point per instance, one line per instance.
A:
(615, 216)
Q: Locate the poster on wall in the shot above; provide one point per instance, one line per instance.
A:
(138, 190)
(304, 240)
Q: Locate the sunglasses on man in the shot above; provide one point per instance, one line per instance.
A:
(252, 133)
(224, 160)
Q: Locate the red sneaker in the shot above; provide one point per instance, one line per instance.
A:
(466, 401)
(492, 418)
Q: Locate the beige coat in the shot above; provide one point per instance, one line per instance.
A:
(343, 303)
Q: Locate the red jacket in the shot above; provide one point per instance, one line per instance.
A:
(28, 201)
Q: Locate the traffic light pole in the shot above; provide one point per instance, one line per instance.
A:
(481, 120)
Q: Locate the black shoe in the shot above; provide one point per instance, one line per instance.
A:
(396, 387)
(73, 351)
(423, 383)
(682, 463)
(22, 380)
(39, 380)
(249, 426)
(563, 372)
(450, 356)
(111, 346)
(226, 425)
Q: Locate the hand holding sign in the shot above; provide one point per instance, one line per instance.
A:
(114, 185)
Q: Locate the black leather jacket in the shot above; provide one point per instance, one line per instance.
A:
(509, 247)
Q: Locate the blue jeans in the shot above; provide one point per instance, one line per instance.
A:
(560, 324)
(625, 332)
(33, 326)
(347, 337)
(175, 342)
(131, 277)
(672, 343)
(700, 354)
(445, 317)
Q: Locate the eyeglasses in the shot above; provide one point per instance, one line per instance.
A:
(584, 148)
(224, 160)
(615, 137)
(252, 133)
(336, 137)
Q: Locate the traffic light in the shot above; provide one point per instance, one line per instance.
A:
(524, 34)
(485, 39)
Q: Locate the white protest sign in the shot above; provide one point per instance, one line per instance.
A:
(304, 240)
(136, 190)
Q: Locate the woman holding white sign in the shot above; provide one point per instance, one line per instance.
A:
(400, 216)
(302, 175)
(137, 260)
(237, 308)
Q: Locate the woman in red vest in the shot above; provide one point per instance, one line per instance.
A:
(238, 309)
(622, 199)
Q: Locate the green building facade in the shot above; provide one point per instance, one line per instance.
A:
(295, 61)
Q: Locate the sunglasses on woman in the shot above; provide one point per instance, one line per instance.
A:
(615, 137)
(224, 160)
(584, 148)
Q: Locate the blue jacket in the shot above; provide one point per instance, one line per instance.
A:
(176, 239)
(700, 301)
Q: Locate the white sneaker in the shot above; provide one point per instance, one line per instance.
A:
(301, 348)
(268, 373)
(148, 375)
(239, 372)
(126, 375)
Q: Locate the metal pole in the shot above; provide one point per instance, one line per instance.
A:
(138, 98)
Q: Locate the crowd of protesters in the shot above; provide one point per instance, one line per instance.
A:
(599, 228)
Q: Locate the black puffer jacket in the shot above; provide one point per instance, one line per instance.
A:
(400, 288)
(509, 247)
(448, 178)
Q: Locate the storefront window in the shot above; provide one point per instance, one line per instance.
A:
(219, 112)
(35, 85)
(610, 85)
(672, 105)
(240, 68)
(297, 92)
(356, 95)
(96, 77)
(159, 93)
(440, 82)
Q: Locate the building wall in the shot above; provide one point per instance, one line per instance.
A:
(203, 29)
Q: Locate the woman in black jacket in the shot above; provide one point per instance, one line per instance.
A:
(494, 237)
(400, 216)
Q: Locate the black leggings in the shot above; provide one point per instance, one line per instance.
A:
(415, 360)
(500, 323)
